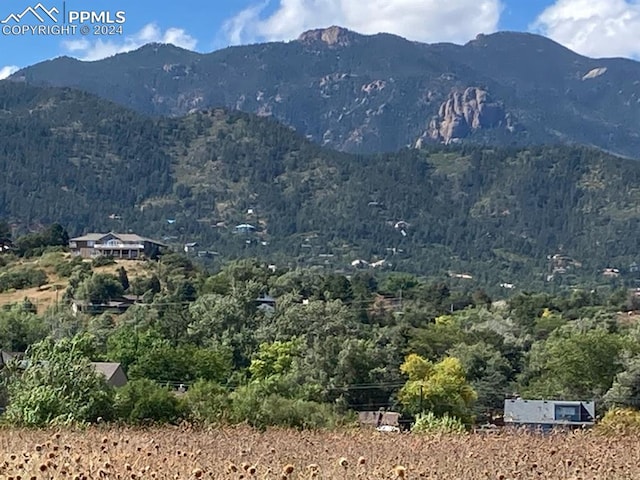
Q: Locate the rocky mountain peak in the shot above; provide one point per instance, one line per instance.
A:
(333, 36)
(465, 111)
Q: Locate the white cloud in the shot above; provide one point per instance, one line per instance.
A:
(596, 28)
(422, 20)
(8, 70)
(95, 50)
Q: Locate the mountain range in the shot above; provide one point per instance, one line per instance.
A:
(378, 93)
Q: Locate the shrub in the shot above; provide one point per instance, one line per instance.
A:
(55, 249)
(297, 413)
(430, 423)
(618, 421)
(21, 278)
(99, 288)
(207, 402)
(51, 259)
(102, 261)
(250, 404)
(144, 401)
(65, 269)
(142, 285)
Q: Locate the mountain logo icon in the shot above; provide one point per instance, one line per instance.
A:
(39, 11)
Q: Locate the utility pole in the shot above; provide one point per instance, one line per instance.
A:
(57, 306)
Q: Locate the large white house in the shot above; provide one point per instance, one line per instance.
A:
(118, 245)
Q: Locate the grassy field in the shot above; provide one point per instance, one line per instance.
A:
(243, 453)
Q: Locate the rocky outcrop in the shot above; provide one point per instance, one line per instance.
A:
(333, 36)
(462, 113)
(594, 73)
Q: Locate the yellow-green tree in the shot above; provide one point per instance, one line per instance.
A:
(441, 388)
(274, 359)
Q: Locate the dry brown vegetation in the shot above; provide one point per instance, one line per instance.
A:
(42, 297)
(45, 296)
(243, 453)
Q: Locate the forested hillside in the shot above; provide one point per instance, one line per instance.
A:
(497, 214)
(70, 156)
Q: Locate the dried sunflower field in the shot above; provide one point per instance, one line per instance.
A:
(243, 453)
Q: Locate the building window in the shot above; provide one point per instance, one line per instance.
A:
(569, 413)
(91, 243)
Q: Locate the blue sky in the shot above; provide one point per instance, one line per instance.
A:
(596, 28)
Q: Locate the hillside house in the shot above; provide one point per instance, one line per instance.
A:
(379, 419)
(114, 305)
(191, 247)
(266, 303)
(5, 246)
(244, 228)
(611, 273)
(118, 245)
(359, 263)
(6, 357)
(548, 414)
(113, 373)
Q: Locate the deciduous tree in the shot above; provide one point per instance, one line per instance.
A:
(441, 388)
(58, 385)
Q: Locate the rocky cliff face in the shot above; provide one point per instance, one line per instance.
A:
(333, 36)
(462, 113)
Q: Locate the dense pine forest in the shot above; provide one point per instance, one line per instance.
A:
(538, 217)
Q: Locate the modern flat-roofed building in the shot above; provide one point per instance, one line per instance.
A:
(548, 414)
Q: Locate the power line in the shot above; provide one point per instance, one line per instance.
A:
(37, 301)
(507, 394)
